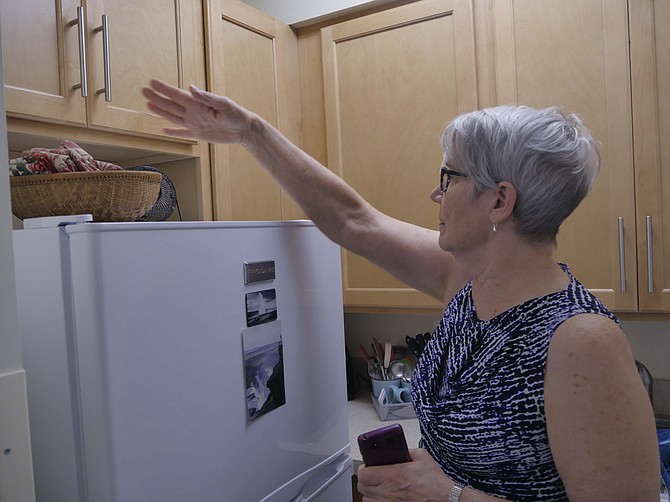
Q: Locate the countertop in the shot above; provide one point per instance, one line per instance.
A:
(363, 418)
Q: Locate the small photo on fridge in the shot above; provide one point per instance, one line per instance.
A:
(263, 369)
(261, 307)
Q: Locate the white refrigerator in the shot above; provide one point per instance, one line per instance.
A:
(189, 361)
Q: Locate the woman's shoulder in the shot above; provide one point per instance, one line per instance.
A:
(592, 335)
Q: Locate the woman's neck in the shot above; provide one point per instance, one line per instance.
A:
(512, 274)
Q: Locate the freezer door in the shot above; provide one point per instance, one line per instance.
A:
(160, 327)
(329, 481)
(339, 489)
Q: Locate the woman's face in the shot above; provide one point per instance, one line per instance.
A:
(463, 220)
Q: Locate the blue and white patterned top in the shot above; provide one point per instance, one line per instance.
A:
(478, 390)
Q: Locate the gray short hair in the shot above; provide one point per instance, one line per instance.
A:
(549, 157)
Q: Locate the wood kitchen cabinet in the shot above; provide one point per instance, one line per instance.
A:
(253, 59)
(650, 78)
(153, 38)
(389, 79)
(392, 80)
(44, 62)
(575, 54)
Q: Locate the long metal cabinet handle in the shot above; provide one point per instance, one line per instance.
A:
(105, 57)
(650, 258)
(83, 72)
(622, 256)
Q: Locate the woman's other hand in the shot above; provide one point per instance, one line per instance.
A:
(419, 480)
(199, 114)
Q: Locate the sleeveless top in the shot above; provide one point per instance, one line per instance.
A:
(478, 391)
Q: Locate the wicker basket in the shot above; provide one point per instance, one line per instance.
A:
(107, 195)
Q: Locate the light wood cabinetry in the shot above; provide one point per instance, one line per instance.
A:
(392, 80)
(650, 71)
(253, 59)
(575, 54)
(151, 39)
(44, 59)
(385, 89)
(41, 59)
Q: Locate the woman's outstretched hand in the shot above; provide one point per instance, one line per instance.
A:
(199, 114)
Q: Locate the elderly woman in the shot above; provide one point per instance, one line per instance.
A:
(528, 389)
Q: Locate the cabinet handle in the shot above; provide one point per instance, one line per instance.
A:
(105, 57)
(79, 21)
(650, 258)
(622, 256)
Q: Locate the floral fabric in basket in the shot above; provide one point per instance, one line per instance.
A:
(68, 158)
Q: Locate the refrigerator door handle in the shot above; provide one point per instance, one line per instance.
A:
(323, 478)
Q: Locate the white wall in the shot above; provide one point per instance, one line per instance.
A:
(16, 474)
(650, 342)
(297, 12)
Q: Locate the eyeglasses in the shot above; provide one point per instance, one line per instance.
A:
(445, 177)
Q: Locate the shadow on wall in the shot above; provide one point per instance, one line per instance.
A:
(650, 342)
(360, 328)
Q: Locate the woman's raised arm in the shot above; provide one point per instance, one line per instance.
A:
(409, 252)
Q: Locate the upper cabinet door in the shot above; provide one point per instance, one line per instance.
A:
(115, 48)
(41, 61)
(650, 63)
(144, 41)
(392, 81)
(252, 60)
(574, 54)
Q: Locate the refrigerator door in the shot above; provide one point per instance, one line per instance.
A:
(45, 323)
(159, 327)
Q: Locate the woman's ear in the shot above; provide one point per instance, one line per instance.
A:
(503, 202)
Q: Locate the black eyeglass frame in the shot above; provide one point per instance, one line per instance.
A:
(444, 171)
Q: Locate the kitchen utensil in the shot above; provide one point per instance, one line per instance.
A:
(413, 345)
(387, 356)
(421, 341)
(409, 363)
(407, 371)
(409, 360)
(374, 371)
(396, 369)
(647, 379)
(380, 349)
(375, 354)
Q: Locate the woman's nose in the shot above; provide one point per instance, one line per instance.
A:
(436, 195)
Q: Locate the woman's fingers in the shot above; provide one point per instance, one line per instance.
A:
(164, 107)
(169, 91)
(164, 112)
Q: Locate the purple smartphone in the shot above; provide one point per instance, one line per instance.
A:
(384, 446)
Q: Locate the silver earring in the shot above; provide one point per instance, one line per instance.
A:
(495, 228)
